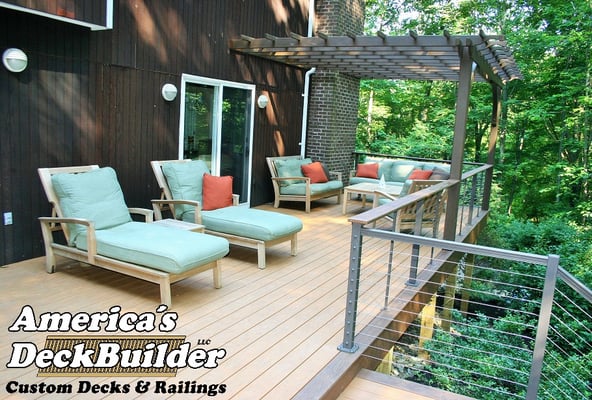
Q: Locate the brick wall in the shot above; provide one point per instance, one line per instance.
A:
(339, 17)
(334, 97)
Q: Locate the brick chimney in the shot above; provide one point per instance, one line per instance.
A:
(334, 97)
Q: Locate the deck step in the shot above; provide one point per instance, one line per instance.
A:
(374, 385)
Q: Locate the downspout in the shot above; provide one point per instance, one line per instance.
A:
(311, 18)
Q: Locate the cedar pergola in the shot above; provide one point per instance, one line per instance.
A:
(458, 58)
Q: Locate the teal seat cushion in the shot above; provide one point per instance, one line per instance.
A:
(249, 222)
(315, 188)
(185, 180)
(94, 195)
(361, 179)
(356, 179)
(159, 247)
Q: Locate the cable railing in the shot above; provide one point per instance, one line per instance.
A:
(483, 322)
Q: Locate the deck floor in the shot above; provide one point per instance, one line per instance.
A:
(280, 326)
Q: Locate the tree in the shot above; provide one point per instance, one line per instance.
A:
(543, 160)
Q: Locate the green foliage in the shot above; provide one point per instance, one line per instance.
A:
(488, 359)
(557, 235)
(541, 199)
(545, 138)
(566, 378)
(480, 369)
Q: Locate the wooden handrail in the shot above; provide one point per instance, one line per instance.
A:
(374, 214)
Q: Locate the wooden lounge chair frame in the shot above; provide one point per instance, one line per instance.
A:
(166, 200)
(431, 209)
(58, 223)
(308, 197)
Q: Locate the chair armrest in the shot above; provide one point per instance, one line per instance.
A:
(337, 175)
(378, 194)
(291, 178)
(91, 240)
(148, 214)
(158, 214)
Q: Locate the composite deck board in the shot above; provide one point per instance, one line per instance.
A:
(280, 326)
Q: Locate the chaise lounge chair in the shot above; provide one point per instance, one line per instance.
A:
(89, 208)
(291, 184)
(184, 192)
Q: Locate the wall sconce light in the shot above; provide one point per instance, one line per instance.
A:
(15, 60)
(262, 101)
(169, 92)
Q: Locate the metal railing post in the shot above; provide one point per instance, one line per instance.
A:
(474, 183)
(412, 281)
(353, 286)
(543, 328)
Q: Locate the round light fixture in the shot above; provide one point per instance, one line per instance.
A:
(15, 60)
(262, 101)
(169, 92)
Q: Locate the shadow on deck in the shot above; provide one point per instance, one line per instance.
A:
(280, 326)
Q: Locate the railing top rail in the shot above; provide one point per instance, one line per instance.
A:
(458, 246)
(476, 171)
(370, 154)
(374, 214)
(575, 284)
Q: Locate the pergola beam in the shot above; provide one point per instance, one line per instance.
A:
(388, 57)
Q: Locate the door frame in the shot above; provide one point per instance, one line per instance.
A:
(219, 84)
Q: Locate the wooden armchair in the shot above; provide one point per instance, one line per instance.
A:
(290, 184)
(432, 209)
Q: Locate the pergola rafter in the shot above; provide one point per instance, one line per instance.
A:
(411, 57)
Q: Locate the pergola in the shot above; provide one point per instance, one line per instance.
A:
(410, 57)
(459, 58)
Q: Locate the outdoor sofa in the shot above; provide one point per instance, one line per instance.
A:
(398, 172)
(295, 178)
(193, 195)
(89, 208)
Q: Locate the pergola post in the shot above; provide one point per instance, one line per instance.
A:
(458, 147)
(493, 134)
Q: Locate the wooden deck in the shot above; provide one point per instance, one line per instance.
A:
(280, 326)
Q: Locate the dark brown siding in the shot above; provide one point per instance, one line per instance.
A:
(94, 97)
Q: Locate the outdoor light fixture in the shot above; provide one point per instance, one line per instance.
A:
(262, 101)
(15, 60)
(169, 91)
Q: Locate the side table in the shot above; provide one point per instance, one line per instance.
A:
(175, 223)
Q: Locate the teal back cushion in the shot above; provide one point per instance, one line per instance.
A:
(94, 195)
(401, 170)
(185, 179)
(289, 168)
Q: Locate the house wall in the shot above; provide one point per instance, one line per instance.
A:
(93, 97)
(334, 97)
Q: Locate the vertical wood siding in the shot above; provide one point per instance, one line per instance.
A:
(94, 97)
(93, 11)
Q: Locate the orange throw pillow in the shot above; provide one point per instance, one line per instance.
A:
(315, 172)
(217, 192)
(369, 170)
(419, 174)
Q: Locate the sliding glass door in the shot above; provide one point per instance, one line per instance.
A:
(216, 127)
